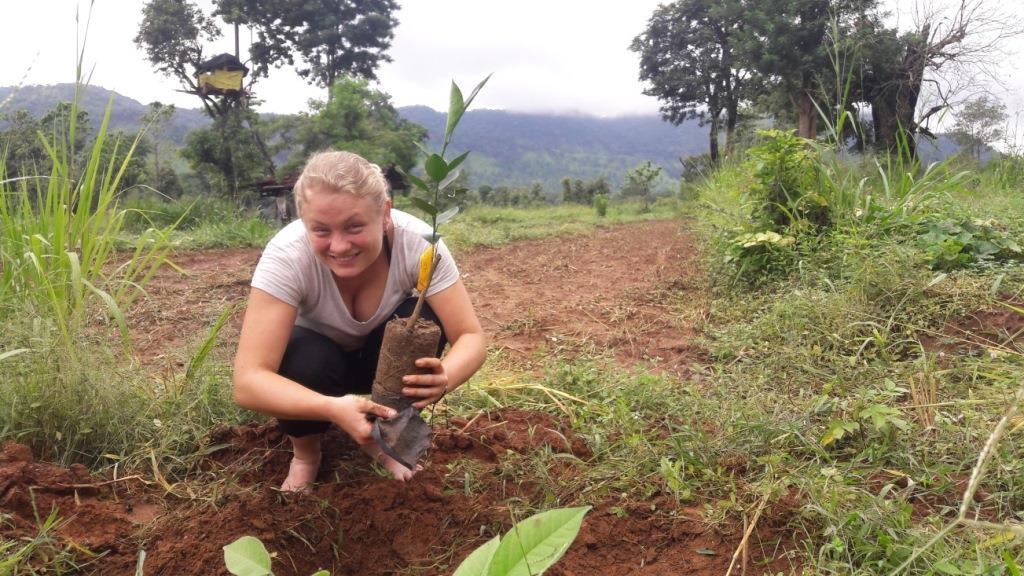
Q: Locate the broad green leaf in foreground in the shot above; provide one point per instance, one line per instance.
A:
(247, 556)
(530, 547)
(479, 562)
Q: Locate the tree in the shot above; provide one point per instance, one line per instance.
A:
(686, 54)
(334, 38)
(227, 154)
(172, 34)
(28, 141)
(640, 183)
(583, 192)
(116, 147)
(945, 54)
(788, 43)
(23, 151)
(980, 123)
(156, 122)
(361, 120)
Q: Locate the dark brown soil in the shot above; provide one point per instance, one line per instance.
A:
(993, 330)
(632, 292)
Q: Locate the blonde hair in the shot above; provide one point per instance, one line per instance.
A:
(337, 171)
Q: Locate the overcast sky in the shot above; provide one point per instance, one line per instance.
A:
(553, 55)
(545, 55)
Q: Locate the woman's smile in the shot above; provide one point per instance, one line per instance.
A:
(345, 231)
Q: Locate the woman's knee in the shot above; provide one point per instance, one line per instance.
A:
(313, 360)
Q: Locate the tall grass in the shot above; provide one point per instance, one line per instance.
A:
(72, 260)
(843, 333)
(61, 234)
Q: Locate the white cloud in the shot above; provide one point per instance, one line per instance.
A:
(558, 55)
(545, 55)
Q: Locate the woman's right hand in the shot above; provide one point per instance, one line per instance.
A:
(350, 413)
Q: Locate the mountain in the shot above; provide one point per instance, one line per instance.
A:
(125, 114)
(519, 149)
(507, 148)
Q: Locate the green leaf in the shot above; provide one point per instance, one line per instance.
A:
(881, 416)
(478, 563)
(472, 95)
(447, 215)
(436, 167)
(418, 182)
(447, 181)
(1011, 565)
(424, 205)
(247, 556)
(322, 573)
(112, 308)
(838, 429)
(535, 544)
(456, 107)
(458, 160)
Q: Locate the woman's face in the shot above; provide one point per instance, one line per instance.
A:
(346, 231)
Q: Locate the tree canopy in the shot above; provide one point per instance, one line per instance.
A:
(359, 119)
(173, 33)
(332, 38)
(687, 57)
(805, 62)
(324, 39)
(981, 122)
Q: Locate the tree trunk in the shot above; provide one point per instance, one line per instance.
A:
(914, 62)
(271, 169)
(883, 119)
(894, 103)
(713, 141)
(807, 126)
(731, 117)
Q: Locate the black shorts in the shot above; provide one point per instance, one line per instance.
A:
(320, 364)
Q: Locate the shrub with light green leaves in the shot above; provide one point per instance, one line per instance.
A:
(755, 254)
(790, 183)
(952, 244)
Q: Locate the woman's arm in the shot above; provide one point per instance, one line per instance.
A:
(466, 355)
(257, 385)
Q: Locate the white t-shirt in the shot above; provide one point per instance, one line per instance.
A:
(289, 271)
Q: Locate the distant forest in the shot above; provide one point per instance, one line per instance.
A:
(508, 148)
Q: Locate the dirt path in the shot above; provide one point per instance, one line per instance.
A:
(629, 291)
(626, 291)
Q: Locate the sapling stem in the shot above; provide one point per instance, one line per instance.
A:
(418, 309)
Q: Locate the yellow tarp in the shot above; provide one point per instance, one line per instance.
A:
(222, 79)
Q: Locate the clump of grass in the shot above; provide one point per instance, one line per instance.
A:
(70, 265)
(46, 547)
(198, 223)
(836, 334)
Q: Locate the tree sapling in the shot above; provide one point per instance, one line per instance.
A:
(406, 436)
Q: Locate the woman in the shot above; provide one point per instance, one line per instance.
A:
(321, 293)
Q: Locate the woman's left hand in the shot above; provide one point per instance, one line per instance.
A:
(426, 388)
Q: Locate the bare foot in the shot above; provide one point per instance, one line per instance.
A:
(301, 473)
(397, 470)
(305, 463)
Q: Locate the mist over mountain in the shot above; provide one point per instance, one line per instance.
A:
(507, 148)
(519, 149)
(126, 114)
